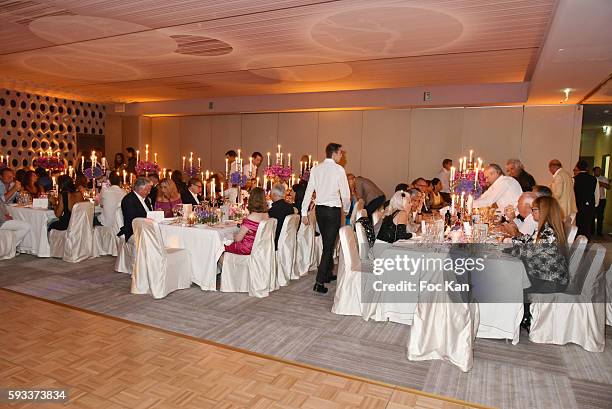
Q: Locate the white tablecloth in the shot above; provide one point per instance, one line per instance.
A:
(36, 242)
(205, 245)
(497, 320)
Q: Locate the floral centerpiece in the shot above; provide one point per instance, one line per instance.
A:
(278, 173)
(469, 181)
(192, 171)
(238, 179)
(207, 215)
(50, 162)
(144, 167)
(93, 173)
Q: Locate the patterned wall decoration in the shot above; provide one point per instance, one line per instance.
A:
(30, 122)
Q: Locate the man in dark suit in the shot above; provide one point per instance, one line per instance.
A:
(585, 186)
(135, 204)
(193, 193)
(154, 178)
(279, 209)
(516, 169)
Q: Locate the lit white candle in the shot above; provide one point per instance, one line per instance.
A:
(257, 184)
(479, 163)
(226, 167)
(281, 158)
(191, 163)
(461, 201)
(170, 175)
(183, 163)
(471, 152)
(476, 177)
(470, 204)
(204, 188)
(212, 188)
(277, 158)
(453, 199)
(199, 163)
(164, 173)
(82, 162)
(452, 174)
(53, 180)
(155, 157)
(207, 175)
(289, 159)
(124, 175)
(265, 181)
(460, 164)
(58, 155)
(250, 167)
(279, 151)
(238, 154)
(464, 163)
(268, 158)
(137, 156)
(222, 190)
(309, 161)
(146, 152)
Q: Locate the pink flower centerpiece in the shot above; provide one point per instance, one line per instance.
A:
(278, 172)
(145, 167)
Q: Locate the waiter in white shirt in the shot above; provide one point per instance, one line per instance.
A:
(444, 177)
(328, 181)
(503, 190)
(250, 168)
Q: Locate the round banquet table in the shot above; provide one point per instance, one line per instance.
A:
(505, 274)
(36, 242)
(205, 243)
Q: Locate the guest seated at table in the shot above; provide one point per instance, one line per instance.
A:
(81, 183)
(167, 197)
(9, 187)
(20, 175)
(299, 189)
(31, 185)
(135, 204)
(541, 190)
(258, 211)
(44, 180)
(110, 200)
(417, 198)
(394, 224)
(154, 179)
(177, 178)
(544, 253)
(422, 185)
(62, 206)
(193, 194)
(119, 163)
(521, 222)
(279, 209)
(503, 190)
(435, 197)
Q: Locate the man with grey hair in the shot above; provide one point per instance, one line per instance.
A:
(542, 191)
(516, 169)
(135, 204)
(279, 209)
(521, 222)
(503, 190)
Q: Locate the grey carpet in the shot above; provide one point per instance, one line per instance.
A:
(296, 324)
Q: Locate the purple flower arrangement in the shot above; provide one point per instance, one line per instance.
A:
(93, 174)
(277, 171)
(145, 167)
(50, 162)
(465, 182)
(192, 171)
(237, 179)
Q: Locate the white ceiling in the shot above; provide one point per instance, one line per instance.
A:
(155, 50)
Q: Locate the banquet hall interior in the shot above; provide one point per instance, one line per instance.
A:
(222, 110)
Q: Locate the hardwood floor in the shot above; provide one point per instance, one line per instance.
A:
(113, 363)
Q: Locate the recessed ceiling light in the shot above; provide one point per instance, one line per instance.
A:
(561, 49)
(566, 91)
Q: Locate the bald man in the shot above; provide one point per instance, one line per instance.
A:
(562, 187)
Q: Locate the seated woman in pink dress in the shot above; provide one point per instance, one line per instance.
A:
(258, 211)
(167, 197)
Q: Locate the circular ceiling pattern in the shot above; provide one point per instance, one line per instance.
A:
(298, 68)
(201, 46)
(144, 42)
(386, 30)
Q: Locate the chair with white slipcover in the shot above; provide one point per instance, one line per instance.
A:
(254, 273)
(158, 270)
(76, 243)
(307, 250)
(562, 318)
(286, 252)
(126, 250)
(8, 244)
(106, 242)
(443, 328)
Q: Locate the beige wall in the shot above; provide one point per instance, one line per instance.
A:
(388, 146)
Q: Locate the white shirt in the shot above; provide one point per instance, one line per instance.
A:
(504, 191)
(527, 226)
(245, 171)
(233, 167)
(444, 177)
(602, 190)
(110, 200)
(328, 180)
(142, 201)
(195, 197)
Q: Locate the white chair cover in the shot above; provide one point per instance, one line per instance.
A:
(571, 234)
(356, 211)
(106, 241)
(576, 280)
(609, 297)
(362, 240)
(347, 299)
(287, 249)
(8, 245)
(443, 329)
(77, 242)
(254, 273)
(562, 318)
(126, 251)
(158, 270)
(306, 246)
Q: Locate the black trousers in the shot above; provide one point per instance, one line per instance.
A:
(585, 220)
(374, 205)
(328, 219)
(599, 215)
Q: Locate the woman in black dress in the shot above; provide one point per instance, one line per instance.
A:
(62, 206)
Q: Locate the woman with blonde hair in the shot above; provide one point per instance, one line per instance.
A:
(168, 197)
(258, 212)
(396, 221)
